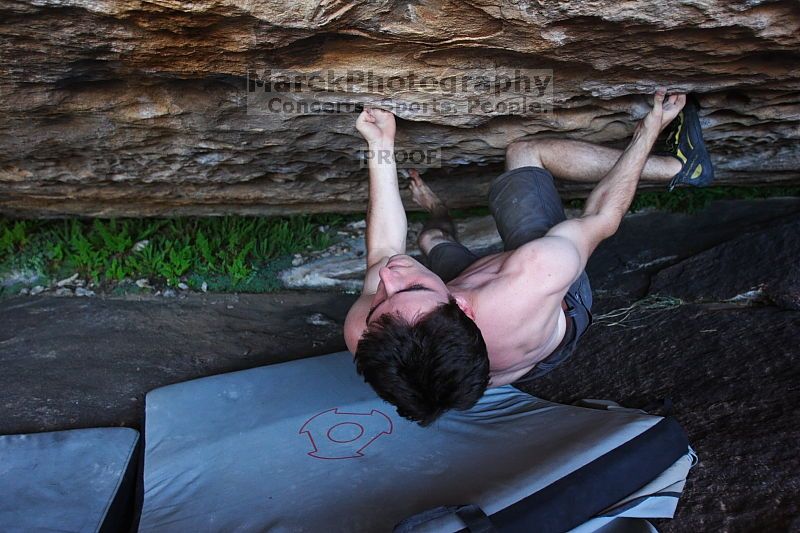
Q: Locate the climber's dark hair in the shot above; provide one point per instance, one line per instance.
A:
(437, 363)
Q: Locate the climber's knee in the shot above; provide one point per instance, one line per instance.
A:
(431, 237)
(523, 154)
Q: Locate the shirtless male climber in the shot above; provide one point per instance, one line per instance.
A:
(429, 339)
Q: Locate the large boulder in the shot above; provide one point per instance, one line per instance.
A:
(730, 375)
(139, 108)
(752, 267)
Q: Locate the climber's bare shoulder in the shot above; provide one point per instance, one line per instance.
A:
(517, 299)
(540, 268)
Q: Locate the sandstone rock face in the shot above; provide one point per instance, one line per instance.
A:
(141, 108)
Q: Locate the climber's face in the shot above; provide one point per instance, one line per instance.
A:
(406, 288)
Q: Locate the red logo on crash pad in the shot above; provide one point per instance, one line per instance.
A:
(336, 434)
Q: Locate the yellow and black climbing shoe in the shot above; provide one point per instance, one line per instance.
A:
(685, 141)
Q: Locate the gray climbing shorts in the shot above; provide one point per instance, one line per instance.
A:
(525, 205)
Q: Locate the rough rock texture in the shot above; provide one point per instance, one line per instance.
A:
(81, 362)
(732, 377)
(756, 265)
(138, 108)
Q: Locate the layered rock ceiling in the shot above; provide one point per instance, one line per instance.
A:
(127, 107)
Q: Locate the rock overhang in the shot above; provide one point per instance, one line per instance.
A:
(131, 108)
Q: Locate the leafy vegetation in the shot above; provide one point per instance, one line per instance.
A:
(229, 249)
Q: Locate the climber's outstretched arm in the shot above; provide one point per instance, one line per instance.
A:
(386, 217)
(612, 196)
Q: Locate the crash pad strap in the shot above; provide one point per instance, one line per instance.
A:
(564, 504)
(471, 515)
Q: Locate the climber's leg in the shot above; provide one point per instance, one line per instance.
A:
(581, 161)
(439, 227)
(445, 256)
